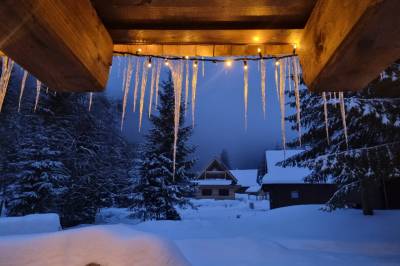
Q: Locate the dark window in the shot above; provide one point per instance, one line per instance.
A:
(206, 192)
(224, 192)
(294, 194)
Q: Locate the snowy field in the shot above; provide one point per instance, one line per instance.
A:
(297, 235)
(222, 233)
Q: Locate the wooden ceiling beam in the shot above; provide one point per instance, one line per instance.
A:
(62, 43)
(204, 14)
(210, 37)
(347, 43)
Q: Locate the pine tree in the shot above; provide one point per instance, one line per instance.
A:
(61, 158)
(373, 128)
(156, 192)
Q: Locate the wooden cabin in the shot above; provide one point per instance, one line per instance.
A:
(216, 182)
(285, 186)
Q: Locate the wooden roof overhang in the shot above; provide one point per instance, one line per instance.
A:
(342, 44)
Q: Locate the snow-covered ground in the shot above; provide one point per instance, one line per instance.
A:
(230, 233)
(105, 245)
(226, 232)
(30, 224)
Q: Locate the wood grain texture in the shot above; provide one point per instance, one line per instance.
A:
(206, 36)
(346, 44)
(63, 43)
(204, 14)
(206, 22)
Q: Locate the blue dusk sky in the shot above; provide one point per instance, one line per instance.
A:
(219, 113)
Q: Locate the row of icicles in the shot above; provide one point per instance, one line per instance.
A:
(284, 68)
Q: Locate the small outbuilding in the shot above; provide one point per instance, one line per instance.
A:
(248, 182)
(285, 186)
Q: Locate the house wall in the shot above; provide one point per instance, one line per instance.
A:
(280, 195)
(215, 192)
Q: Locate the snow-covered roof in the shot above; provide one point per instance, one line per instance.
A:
(246, 178)
(221, 182)
(253, 189)
(283, 175)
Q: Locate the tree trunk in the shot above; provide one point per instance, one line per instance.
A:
(365, 197)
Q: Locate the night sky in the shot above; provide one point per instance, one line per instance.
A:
(219, 113)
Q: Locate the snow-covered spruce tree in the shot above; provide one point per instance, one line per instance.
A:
(97, 157)
(33, 163)
(61, 158)
(373, 128)
(156, 192)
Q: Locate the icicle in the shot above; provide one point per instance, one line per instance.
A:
(282, 101)
(297, 95)
(142, 92)
(24, 77)
(245, 92)
(202, 66)
(38, 86)
(277, 78)
(153, 80)
(343, 113)
(326, 117)
(176, 70)
(194, 88)
(8, 65)
(157, 81)
(186, 86)
(90, 100)
(335, 98)
(136, 84)
(290, 74)
(124, 78)
(263, 75)
(127, 85)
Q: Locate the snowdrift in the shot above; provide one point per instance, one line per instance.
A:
(111, 245)
(30, 224)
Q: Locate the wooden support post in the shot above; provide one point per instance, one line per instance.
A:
(62, 43)
(347, 43)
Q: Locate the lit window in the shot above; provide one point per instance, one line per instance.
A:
(294, 195)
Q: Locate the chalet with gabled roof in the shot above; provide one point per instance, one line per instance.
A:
(216, 182)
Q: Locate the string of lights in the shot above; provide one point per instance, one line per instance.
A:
(227, 61)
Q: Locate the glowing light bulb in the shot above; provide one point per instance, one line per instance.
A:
(294, 46)
(186, 57)
(166, 63)
(256, 38)
(195, 64)
(149, 63)
(259, 50)
(277, 63)
(139, 50)
(245, 66)
(228, 63)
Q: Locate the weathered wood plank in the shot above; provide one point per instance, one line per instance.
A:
(204, 49)
(206, 36)
(204, 14)
(347, 43)
(62, 43)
